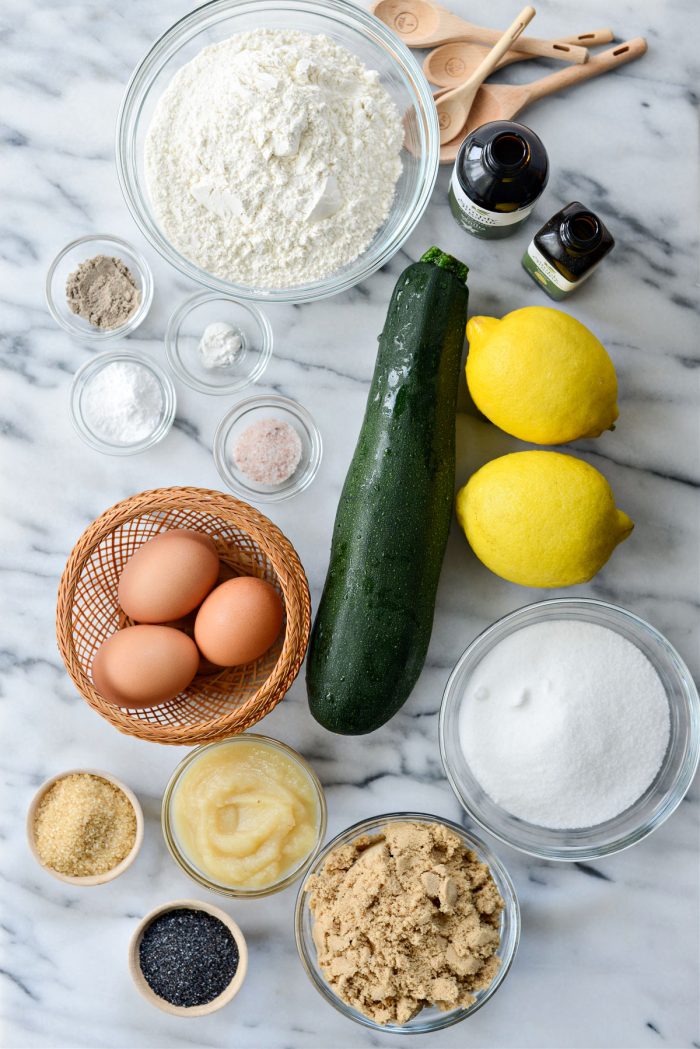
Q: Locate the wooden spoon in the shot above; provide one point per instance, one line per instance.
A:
(453, 107)
(451, 64)
(505, 101)
(422, 24)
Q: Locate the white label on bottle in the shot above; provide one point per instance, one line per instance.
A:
(482, 217)
(550, 272)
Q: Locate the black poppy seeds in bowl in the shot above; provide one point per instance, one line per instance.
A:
(188, 957)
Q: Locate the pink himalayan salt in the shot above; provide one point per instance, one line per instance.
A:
(268, 451)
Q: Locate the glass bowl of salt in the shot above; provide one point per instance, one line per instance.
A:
(122, 403)
(570, 729)
(267, 449)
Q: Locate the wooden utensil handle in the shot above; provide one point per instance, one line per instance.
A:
(493, 57)
(597, 36)
(599, 64)
(530, 45)
(581, 39)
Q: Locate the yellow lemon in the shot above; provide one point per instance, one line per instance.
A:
(541, 375)
(541, 518)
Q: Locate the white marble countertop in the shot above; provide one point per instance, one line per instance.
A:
(609, 952)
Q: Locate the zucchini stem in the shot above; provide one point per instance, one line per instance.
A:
(437, 257)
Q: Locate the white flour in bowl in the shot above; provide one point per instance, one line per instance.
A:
(272, 158)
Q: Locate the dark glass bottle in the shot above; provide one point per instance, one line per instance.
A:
(500, 171)
(567, 249)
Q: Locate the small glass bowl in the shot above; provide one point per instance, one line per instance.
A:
(657, 802)
(186, 327)
(253, 410)
(188, 865)
(429, 1019)
(69, 259)
(82, 379)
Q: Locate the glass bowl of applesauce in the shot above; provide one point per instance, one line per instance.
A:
(244, 817)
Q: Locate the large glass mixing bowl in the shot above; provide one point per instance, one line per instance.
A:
(355, 29)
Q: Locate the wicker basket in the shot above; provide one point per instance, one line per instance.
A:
(213, 706)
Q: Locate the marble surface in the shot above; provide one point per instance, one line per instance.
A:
(609, 953)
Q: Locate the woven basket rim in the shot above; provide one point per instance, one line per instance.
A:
(275, 547)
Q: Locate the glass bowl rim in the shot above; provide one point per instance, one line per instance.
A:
(172, 332)
(141, 82)
(273, 401)
(169, 402)
(587, 850)
(190, 869)
(484, 853)
(136, 318)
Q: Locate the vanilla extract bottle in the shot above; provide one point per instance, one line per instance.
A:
(499, 174)
(567, 249)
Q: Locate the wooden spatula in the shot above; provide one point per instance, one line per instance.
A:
(422, 24)
(452, 64)
(453, 107)
(505, 101)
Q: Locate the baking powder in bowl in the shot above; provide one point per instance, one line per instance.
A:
(564, 724)
(123, 403)
(272, 158)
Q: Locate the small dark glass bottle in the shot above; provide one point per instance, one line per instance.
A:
(567, 249)
(500, 171)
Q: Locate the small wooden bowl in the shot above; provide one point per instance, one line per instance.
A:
(213, 706)
(89, 879)
(193, 1010)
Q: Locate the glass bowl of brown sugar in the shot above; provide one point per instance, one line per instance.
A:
(361, 838)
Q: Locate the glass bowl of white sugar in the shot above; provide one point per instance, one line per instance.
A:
(122, 403)
(570, 729)
(286, 169)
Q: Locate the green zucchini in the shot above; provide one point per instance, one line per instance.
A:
(373, 625)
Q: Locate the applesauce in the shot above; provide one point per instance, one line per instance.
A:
(246, 814)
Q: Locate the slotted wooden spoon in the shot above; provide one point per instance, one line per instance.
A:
(422, 24)
(453, 107)
(505, 101)
(452, 64)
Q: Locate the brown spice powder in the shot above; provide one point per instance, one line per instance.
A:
(406, 919)
(84, 826)
(103, 292)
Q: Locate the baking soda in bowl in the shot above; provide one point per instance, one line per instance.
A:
(564, 724)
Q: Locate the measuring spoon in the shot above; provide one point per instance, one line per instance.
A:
(505, 101)
(422, 24)
(451, 64)
(453, 107)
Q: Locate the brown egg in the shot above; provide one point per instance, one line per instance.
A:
(239, 621)
(142, 666)
(168, 576)
(186, 624)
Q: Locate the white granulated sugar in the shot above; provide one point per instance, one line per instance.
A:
(272, 158)
(123, 403)
(565, 724)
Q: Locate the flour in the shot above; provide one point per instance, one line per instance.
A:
(272, 158)
(565, 724)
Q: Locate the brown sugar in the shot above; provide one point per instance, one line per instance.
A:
(405, 919)
(84, 826)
